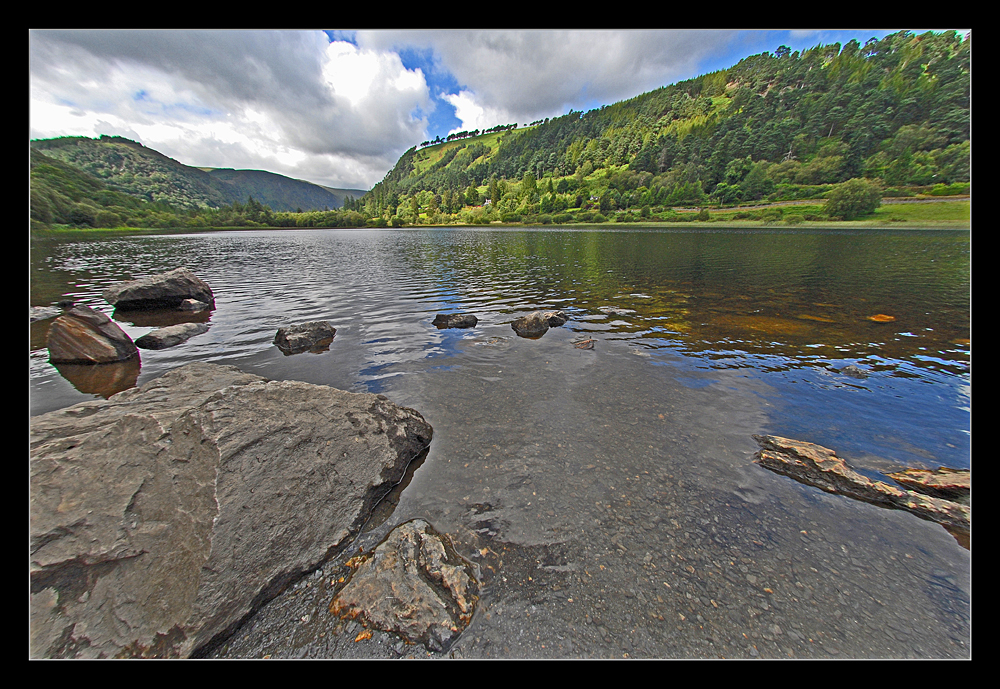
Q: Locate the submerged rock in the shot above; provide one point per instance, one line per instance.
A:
(170, 336)
(85, 336)
(414, 585)
(537, 323)
(161, 519)
(818, 466)
(165, 290)
(455, 320)
(314, 336)
(854, 371)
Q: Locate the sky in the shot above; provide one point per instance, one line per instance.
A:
(338, 107)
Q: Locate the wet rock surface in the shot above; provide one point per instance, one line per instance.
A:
(163, 518)
(819, 466)
(163, 290)
(535, 324)
(170, 336)
(413, 585)
(948, 484)
(84, 336)
(455, 320)
(314, 336)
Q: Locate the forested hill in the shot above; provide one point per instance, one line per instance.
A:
(775, 125)
(129, 167)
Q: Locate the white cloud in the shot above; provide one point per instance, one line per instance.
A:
(262, 99)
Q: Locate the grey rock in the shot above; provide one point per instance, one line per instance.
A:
(170, 336)
(537, 323)
(313, 336)
(854, 371)
(165, 290)
(85, 336)
(455, 320)
(162, 518)
(40, 313)
(413, 584)
(193, 305)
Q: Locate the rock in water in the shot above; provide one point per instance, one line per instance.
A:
(944, 483)
(170, 336)
(314, 336)
(819, 466)
(84, 336)
(455, 320)
(166, 290)
(537, 323)
(162, 518)
(413, 584)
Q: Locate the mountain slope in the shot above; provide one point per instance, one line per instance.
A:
(131, 168)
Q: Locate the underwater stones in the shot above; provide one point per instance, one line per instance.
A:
(414, 585)
(819, 466)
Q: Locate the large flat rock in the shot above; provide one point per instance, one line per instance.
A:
(162, 518)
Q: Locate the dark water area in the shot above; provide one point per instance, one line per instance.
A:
(608, 496)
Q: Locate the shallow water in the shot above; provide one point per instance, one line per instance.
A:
(608, 495)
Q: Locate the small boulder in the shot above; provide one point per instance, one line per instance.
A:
(85, 336)
(172, 335)
(854, 371)
(165, 290)
(314, 336)
(40, 313)
(537, 323)
(455, 320)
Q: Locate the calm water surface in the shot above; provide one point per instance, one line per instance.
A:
(608, 495)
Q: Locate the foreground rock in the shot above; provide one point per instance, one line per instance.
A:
(819, 466)
(537, 323)
(314, 336)
(455, 320)
(84, 336)
(165, 290)
(163, 517)
(413, 585)
(170, 336)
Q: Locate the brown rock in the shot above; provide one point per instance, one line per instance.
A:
(944, 483)
(84, 336)
(819, 466)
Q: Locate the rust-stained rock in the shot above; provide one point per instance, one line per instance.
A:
(819, 466)
(944, 483)
(414, 585)
(85, 336)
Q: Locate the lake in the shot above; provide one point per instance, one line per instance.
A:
(608, 495)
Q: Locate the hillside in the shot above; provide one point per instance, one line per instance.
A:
(779, 126)
(129, 167)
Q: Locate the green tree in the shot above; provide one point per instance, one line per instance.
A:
(854, 198)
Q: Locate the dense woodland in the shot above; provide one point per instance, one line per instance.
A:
(845, 125)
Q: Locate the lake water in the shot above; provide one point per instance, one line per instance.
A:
(608, 495)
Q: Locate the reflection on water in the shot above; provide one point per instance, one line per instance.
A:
(623, 436)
